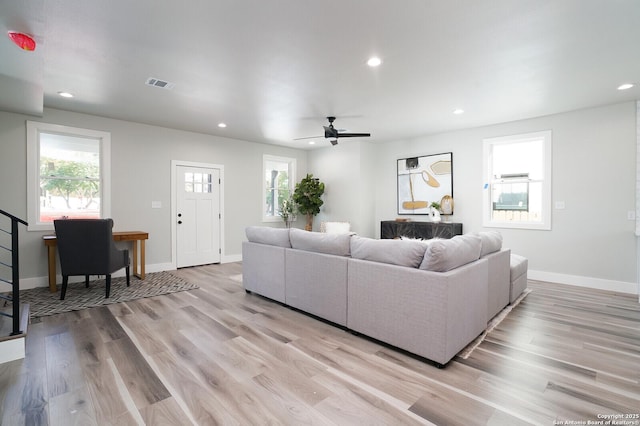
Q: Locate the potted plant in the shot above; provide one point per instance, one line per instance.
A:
(307, 197)
(288, 211)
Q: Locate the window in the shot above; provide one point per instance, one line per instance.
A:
(278, 178)
(67, 174)
(198, 182)
(517, 191)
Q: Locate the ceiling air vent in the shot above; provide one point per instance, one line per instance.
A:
(155, 82)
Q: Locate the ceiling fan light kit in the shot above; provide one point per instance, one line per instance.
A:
(333, 134)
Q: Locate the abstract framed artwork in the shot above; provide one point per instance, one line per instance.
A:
(423, 180)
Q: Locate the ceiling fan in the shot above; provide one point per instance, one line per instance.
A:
(333, 134)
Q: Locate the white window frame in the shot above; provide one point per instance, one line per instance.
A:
(291, 164)
(488, 144)
(34, 129)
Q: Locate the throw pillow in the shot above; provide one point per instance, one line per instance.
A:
(337, 227)
(445, 255)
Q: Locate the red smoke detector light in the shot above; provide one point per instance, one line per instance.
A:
(23, 41)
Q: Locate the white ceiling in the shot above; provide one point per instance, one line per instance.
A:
(273, 69)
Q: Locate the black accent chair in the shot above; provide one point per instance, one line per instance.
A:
(86, 248)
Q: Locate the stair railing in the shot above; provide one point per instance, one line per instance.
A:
(15, 271)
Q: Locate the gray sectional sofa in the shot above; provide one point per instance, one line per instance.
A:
(430, 298)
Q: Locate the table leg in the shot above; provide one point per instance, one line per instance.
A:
(51, 259)
(142, 260)
(135, 258)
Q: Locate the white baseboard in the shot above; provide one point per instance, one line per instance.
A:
(12, 349)
(580, 281)
(553, 277)
(158, 267)
(231, 258)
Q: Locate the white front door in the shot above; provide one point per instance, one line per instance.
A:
(198, 216)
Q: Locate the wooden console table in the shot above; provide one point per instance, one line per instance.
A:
(137, 237)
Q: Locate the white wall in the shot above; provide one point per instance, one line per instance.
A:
(591, 243)
(349, 196)
(638, 194)
(594, 153)
(141, 168)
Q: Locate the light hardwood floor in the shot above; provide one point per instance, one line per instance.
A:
(217, 355)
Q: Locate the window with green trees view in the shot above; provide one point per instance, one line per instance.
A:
(68, 173)
(278, 180)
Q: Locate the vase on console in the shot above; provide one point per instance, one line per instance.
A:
(435, 215)
(434, 212)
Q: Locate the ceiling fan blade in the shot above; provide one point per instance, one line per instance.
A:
(353, 135)
(309, 137)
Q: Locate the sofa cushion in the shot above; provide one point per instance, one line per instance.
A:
(518, 266)
(395, 252)
(445, 255)
(491, 242)
(266, 235)
(337, 244)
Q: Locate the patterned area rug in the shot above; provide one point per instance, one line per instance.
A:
(42, 302)
(495, 321)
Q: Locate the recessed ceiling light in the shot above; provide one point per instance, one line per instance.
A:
(625, 86)
(374, 61)
(458, 111)
(312, 142)
(65, 94)
(222, 125)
